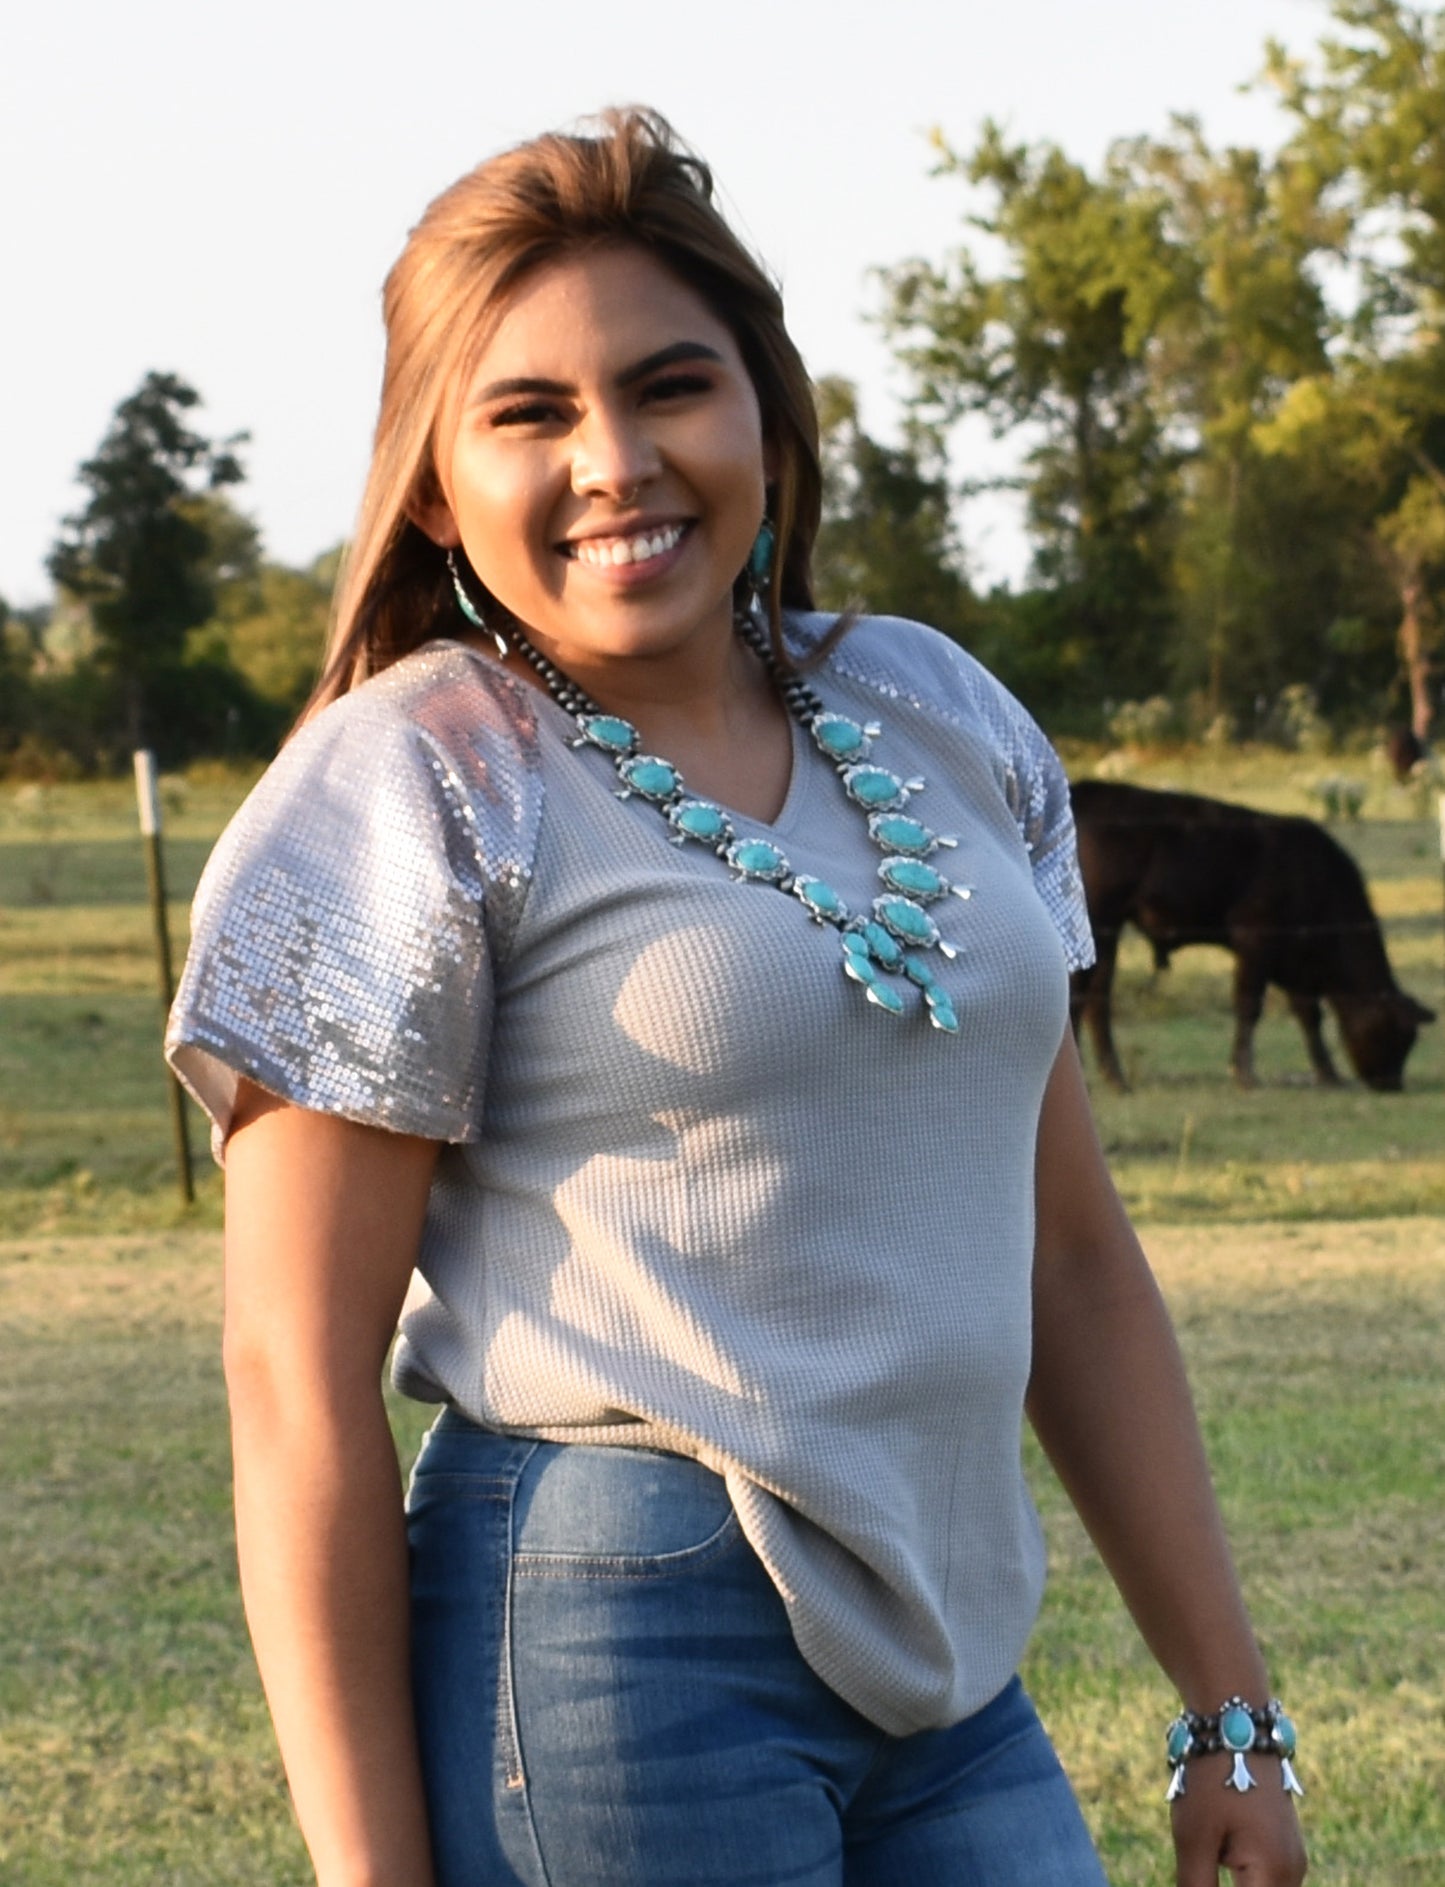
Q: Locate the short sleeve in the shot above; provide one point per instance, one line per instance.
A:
(1040, 792)
(907, 660)
(338, 950)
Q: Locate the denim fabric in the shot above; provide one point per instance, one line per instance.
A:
(608, 1695)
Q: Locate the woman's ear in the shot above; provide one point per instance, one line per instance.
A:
(430, 513)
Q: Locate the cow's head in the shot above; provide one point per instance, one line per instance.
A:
(1378, 1033)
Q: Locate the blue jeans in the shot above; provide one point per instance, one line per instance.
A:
(608, 1695)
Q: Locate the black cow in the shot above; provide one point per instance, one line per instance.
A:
(1279, 893)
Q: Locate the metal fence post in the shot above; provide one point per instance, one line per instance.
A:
(148, 800)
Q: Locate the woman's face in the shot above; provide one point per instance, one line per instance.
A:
(604, 466)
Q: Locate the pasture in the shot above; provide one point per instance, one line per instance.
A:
(1299, 1235)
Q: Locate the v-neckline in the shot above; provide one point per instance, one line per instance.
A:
(799, 772)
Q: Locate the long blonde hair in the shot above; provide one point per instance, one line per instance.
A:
(627, 179)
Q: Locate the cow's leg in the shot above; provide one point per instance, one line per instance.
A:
(1308, 1014)
(1091, 1003)
(1249, 987)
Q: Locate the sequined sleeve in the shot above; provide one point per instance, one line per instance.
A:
(1040, 794)
(906, 659)
(339, 955)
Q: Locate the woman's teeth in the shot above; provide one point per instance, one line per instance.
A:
(614, 550)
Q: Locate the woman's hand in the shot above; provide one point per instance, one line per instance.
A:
(1255, 1835)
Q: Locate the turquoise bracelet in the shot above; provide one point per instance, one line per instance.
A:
(1236, 1729)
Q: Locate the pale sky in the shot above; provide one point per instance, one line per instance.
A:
(218, 192)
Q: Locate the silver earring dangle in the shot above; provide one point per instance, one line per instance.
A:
(469, 609)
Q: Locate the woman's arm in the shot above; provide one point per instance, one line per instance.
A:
(1109, 1401)
(323, 1219)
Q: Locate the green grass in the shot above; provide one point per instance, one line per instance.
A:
(1299, 1233)
(1315, 1356)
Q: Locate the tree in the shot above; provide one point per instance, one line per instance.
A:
(1053, 341)
(16, 661)
(1371, 121)
(1255, 575)
(141, 551)
(887, 539)
(270, 626)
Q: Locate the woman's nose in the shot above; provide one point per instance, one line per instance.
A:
(613, 457)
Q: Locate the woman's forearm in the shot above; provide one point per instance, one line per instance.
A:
(323, 1218)
(1110, 1403)
(323, 1573)
(1112, 1408)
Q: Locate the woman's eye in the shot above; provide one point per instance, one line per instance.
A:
(674, 386)
(526, 413)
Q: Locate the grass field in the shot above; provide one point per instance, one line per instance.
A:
(1299, 1234)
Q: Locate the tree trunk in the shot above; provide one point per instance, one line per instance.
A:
(1414, 655)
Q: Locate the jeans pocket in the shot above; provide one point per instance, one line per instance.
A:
(616, 1512)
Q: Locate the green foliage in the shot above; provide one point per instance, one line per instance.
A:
(1234, 483)
(1054, 342)
(1370, 125)
(270, 628)
(1371, 119)
(887, 539)
(142, 551)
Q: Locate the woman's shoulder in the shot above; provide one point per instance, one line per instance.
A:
(442, 719)
(435, 757)
(901, 659)
(443, 695)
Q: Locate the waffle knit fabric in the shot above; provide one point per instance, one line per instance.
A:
(696, 1194)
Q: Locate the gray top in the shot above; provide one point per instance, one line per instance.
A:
(697, 1195)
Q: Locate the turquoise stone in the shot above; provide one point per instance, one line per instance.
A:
(1283, 1735)
(700, 819)
(885, 998)
(821, 899)
(908, 921)
(1179, 1741)
(756, 858)
(885, 949)
(855, 944)
(913, 877)
(839, 738)
(875, 787)
(609, 731)
(901, 834)
(862, 969)
(917, 971)
(1236, 1728)
(941, 1012)
(651, 777)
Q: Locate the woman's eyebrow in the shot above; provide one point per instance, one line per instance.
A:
(663, 357)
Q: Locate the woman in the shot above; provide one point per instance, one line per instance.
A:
(749, 1196)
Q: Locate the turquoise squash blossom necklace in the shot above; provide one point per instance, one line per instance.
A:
(883, 951)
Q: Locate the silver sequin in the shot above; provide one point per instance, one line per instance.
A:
(347, 926)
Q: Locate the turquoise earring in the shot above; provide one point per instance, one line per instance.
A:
(469, 609)
(760, 562)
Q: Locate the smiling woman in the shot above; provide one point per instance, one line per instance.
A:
(733, 1224)
(606, 474)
